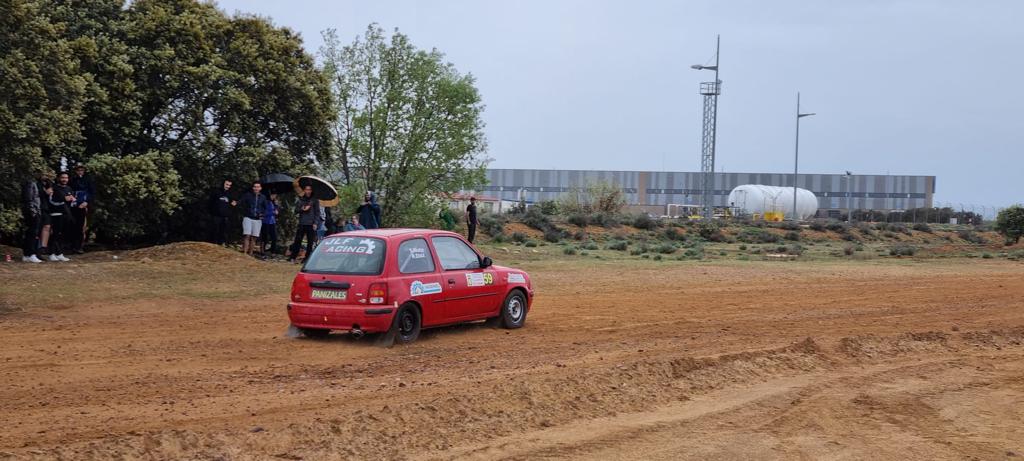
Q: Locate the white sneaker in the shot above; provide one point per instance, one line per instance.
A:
(54, 258)
(63, 258)
(31, 259)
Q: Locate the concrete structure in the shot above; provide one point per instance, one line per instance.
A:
(653, 190)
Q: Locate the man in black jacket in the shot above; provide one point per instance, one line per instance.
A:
(254, 205)
(31, 211)
(471, 219)
(85, 190)
(60, 202)
(308, 209)
(220, 209)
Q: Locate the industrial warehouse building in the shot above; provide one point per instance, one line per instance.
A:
(653, 190)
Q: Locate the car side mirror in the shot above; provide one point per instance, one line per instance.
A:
(486, 262)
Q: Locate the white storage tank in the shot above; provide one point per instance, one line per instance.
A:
(758, 199)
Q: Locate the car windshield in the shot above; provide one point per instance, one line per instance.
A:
(347, 255)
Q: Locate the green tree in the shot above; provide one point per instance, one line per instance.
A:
(139, 191)
(1010, 223)
(41, 98)
(408, 126)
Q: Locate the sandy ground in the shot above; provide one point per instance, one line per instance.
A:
(160, 356)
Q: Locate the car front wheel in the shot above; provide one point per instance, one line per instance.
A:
(513, 311)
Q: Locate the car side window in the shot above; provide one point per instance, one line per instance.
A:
(414, 257)
(455, 254)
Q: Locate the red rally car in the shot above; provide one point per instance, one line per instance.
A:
(402, 280)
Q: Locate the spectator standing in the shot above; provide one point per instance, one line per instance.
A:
(471, 221)
(353, 224)
(220, 208)
(308, 209)
(85, 190)
(270, 224)
(31, 212)
(369, 211)
(59, 201)
(254, 205)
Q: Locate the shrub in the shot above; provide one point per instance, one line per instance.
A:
(547, 207)
(792, 236)
(795, 249)
(519, 237)
(537, 220)
(782, 249)
(590, 246)
(754, 235)
(635, 252)
(902, 250)
(1010, 223)
(569, 250)
(694, 253)
(553, 235)
(645, 256)
(493, 225)
(711, 232)
(127, 181)
(530, 244)
(671, 233)
(665, 249)
(787, 225)
(579, 219)
(657, 257)
(498, 238)
(642, 221)
(604, 219)
(971, 236)
(743, 247)
(986, 255)
(848, 250)
(839, 227)
(818, 226)
(619, 245)
(923, 227)
(579, 235)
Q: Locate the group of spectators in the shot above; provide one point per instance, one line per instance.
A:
(56, 214)
(260, 212)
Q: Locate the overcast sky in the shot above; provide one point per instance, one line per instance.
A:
(900, 87)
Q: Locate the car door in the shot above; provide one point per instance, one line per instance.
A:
(470, 291)
(418, 273)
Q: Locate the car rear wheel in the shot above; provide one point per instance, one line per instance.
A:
(314, 333)
(406, 326)
(513, 311)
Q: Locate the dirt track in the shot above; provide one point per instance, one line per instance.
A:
(182, 359)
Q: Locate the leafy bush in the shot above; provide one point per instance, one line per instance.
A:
(492, 224)
(642, 221)
(579, 219)
(848, 250)
(596, 196)
(537, 220)
(579, 235)
(657, 257)
(138, 192)
(569, 250)
(619, 245)
(711, 232)
(755, 235)
(671, 233)
(519, 237)
(694, 253)
(604, 219)
(838, 227)
(923, 227)
(553, 235)
(1010, 223)
(986, 255)
(787, 225)
(530, 244)
(971, 236)
(547, 207)
(818, 226)
(590, 246)
(795, 249)
(665, 249)
(902, 250)
(792, 236)
(743, 247)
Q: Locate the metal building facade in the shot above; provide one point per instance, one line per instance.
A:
(651, 188)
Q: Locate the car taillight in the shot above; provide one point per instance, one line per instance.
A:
(378, 293)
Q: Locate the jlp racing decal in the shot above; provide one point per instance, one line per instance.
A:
(479, 279)
(419, 288)
(515, 277)
(349, 245)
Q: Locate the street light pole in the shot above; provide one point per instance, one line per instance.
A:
(796, 153)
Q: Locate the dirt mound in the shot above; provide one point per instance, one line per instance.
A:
(871, 346)
(186, 250)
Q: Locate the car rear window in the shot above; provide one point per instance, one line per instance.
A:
(347, 255)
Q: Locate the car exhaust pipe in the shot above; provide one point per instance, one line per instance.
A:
(357, 333)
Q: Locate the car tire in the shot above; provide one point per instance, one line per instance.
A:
(406, 326)
(314, 333)
(513, 310)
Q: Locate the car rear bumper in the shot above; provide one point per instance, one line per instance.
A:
(369, 319)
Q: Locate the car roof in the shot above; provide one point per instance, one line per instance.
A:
(391, 233)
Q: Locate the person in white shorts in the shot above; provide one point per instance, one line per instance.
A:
(253, 205)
